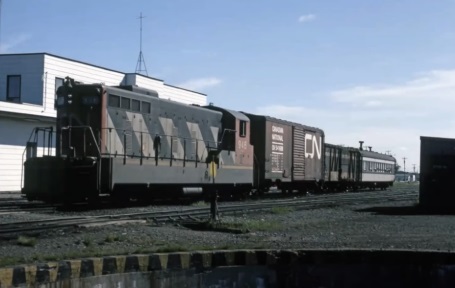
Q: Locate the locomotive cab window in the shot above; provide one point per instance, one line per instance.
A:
(126, 103)
(145, 107)
(136, 105)
(242, 131)
(114, 101)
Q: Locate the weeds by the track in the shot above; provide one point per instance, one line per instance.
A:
(112, 238)
(236, 227)
(26, 241)
(282, 210)
(200, 204)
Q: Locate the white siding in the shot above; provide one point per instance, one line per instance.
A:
(30, 68)
(14, 134)
(167, 91)
(85, 73)
(183, 96)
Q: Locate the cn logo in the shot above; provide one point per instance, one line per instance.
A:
(312, 146)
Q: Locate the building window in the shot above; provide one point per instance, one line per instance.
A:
(126, 103)
(114, 101)
(13, 88)
(58, 83)
(136, 105)
(242, 128)
(146, 107)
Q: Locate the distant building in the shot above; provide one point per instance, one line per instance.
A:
(27, 93)
(401, 176)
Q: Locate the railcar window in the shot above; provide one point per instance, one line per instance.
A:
(126, 103)
(136, 105)
(146, 107)
(242, 128)
(114, 101)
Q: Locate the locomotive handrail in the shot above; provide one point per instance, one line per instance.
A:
(35, 132)
(91, 132)
(128, 148)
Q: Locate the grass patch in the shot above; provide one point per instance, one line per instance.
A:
(200, 204)
(87, 242)
(239, 227)
(26, 241)
(282, 210)
(112, 238)
(171, 248)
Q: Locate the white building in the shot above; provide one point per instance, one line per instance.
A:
(27, 92)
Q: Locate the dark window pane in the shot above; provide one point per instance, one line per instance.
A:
(126, 103)
(146, 107)
(136, 105)
(114, 101)
(242, 128)
(58, 83)
(13, 93)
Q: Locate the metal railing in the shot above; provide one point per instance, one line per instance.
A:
(91, 138)
(33, 145)
(141, 145)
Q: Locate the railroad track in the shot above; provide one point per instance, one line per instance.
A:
(194, 214)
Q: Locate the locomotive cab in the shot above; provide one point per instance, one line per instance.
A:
(72, 174)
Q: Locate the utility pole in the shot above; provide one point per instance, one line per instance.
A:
(404, 167)
(414, 167)
(387, 152)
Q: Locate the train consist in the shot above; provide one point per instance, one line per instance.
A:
(128, 143)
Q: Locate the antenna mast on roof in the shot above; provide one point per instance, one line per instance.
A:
(140, 60)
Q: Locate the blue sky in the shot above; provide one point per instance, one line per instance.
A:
(378, 71)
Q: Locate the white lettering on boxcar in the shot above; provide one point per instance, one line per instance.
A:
(277, 129)
(312, 146)
(276, 137)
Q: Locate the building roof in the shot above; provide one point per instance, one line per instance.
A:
(97, 66)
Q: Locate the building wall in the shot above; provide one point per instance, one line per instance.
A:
(14, 134)
(30, 68)
(81, 72)
(38, 83)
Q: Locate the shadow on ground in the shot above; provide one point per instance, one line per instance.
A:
(407, 210)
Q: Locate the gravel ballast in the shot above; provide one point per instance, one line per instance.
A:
(382, 225)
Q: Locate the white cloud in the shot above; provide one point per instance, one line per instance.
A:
(11, 43)
(307, 18)
(200, 83)
(431, 89)
(387, 117)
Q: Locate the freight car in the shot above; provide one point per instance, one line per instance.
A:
(287, 155)
(128, 143)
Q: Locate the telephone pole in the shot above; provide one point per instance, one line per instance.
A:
(404, 167)
(414, 167)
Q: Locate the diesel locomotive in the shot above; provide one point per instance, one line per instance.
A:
(126, 142)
